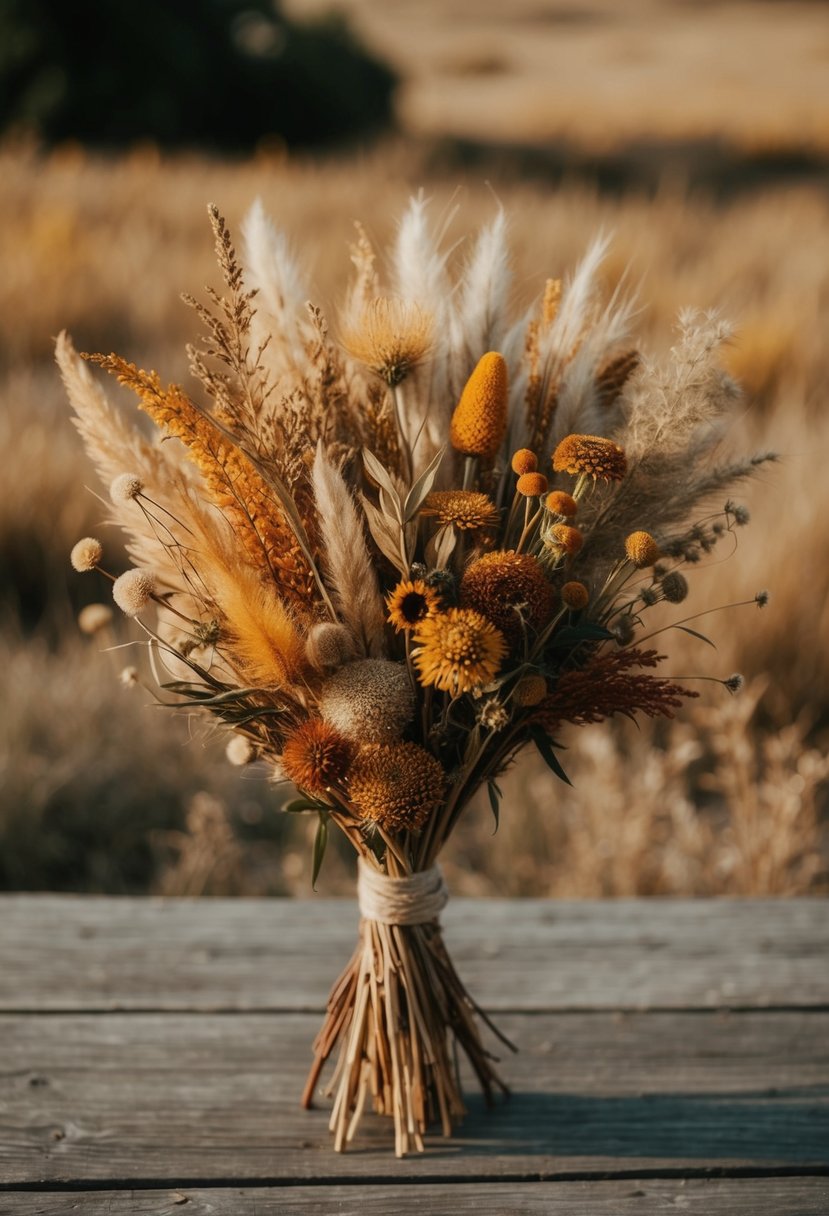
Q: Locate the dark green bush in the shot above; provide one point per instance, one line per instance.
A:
(221, 74)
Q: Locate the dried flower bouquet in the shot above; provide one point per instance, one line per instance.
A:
(387, 563)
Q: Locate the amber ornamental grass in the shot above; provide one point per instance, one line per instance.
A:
(388, 550)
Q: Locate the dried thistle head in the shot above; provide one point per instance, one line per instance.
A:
(329, 646)
(674, 587)
(126, 487)
(370, 701)
(563, 541)
(391, 337)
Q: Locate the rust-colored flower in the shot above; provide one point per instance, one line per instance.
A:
(411, 601)
(642, 549)
(591, 456)
(466, 510)
(396, 785)
(457, 650)
(391, 338)
(508, 587)
(316, 756)
(479, 422)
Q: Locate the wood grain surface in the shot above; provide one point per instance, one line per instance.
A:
(673, 1056)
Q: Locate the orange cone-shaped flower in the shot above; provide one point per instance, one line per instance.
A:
(479, 422)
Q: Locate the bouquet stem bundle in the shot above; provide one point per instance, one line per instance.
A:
(399, 1013)
(386, 565)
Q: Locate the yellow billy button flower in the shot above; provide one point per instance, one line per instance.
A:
(575, 595)
(457, 650)
(479, 422)
(642, 549)
(560, 503)
(532, 485)
(524, 461)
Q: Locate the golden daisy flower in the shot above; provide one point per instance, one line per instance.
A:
(479, 422)
(457, 650)
(564, 539)
(532, 485)
(590, 455)
(575, 595)
(391, 338)
(507, 587)
(560, 503)
(530, 690)
(316, 756)
(411, 601)
(642, 549)
(524, 461)
(396, 785)
(464, 509)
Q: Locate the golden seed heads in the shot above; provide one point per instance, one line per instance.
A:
(86, 554)
(564, 539)
(590, 455)
(457, 650)
(133, 590)
(329, 646)
(642, 549)
(524, 461)
(315, 756)
(396, 786)
(370, 701)
(509, 588)
(93, 618)
(463, 509)
(530, 690)
(479, 422)
(126, 488)
(391, 338)
(411, 601)
(240, 751)
(532, 485)
(560, 503)
(575, 595)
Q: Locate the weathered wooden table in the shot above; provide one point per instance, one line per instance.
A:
(674, 1057)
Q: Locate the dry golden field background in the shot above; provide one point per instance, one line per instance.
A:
(104, 791)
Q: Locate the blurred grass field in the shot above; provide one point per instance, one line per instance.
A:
(103, 791)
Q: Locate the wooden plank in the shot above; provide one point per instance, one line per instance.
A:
(59, 952)
(707, 1197)
(197, 1099)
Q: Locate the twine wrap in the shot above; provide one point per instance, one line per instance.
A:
(413, 900)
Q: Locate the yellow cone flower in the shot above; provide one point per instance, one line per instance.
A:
(479, 422)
